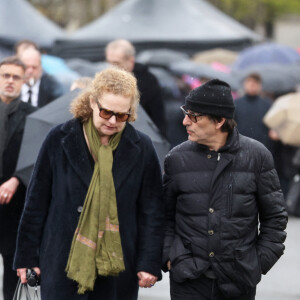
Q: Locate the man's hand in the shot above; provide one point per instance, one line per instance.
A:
(22, 273)
(8, 189)
(146, 280)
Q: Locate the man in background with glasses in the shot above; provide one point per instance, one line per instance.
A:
(225, 215)
(13, 113)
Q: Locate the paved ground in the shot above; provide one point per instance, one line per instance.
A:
(281, 283)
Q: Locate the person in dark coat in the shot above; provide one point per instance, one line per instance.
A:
(92, 222)
(250, 110)
(40, 88)
(225, 213)
(13, 114)
(122, 54)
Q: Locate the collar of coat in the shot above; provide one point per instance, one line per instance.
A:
(18, 118)
(232, 144)
(125, 156)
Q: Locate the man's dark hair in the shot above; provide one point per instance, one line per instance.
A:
(228, 125)
(13, 60)
(254, 76)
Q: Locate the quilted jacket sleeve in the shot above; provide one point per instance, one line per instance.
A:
(169, 192)
(272, 215)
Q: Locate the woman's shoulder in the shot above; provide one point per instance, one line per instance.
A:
(136, 135)
(59, 131)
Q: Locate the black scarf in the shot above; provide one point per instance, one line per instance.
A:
(5, 111)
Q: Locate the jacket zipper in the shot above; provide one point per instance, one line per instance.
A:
(229, 201)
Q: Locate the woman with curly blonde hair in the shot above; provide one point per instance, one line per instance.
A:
(115, 81)
(95, 198)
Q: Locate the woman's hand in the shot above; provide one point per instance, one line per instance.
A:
(23, 271)
(169, 265)
(146, 280)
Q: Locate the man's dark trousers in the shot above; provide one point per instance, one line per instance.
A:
(202, 288)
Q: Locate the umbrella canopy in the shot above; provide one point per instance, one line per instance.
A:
(167, 82)
(4, 52)
(20, 20)
(39, 123)
(86, 68)
(57, 67)
(203, 71)
(266, 53)
(283, 117)
(160, 57)
(220, 55)
(276, 78)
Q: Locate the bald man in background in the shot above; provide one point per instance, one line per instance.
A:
(122, 54)
(40, 88)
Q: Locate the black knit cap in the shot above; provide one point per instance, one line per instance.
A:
(212, 98)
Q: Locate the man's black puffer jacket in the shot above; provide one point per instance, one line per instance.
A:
(214, 202)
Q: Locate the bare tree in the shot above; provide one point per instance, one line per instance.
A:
(72, 14)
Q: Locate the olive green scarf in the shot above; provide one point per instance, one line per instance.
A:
(96, 246)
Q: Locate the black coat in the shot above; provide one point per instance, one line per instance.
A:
(56, 193)
(151, 96)
(10, 214)
(49, 90)
(213, 201)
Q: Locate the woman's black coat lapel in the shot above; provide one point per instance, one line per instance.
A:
(124, 158)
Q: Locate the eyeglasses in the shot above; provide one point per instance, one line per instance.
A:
(192, 116)
(107, 114)
(7, 76)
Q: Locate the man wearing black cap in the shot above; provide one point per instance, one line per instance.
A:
(225, 215)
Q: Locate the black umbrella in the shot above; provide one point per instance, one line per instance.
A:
(167, 82)
(201, 70)
(39, 123)
(86, 68)
(161, 57)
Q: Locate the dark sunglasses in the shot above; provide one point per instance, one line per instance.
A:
(7, 76)
(192, 116)
(107, 114)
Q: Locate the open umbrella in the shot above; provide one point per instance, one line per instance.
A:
(200, 71)
(160, 57)
(275, 77)
(86, 68)
(220, 55)
(40, 122)
(167, 82)
(283, 117)
(266, 53)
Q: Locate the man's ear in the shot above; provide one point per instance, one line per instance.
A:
(220, 124)
(132, 62)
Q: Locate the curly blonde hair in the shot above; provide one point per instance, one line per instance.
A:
(111, 80)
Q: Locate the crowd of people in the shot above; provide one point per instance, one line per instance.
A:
(214, 218)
